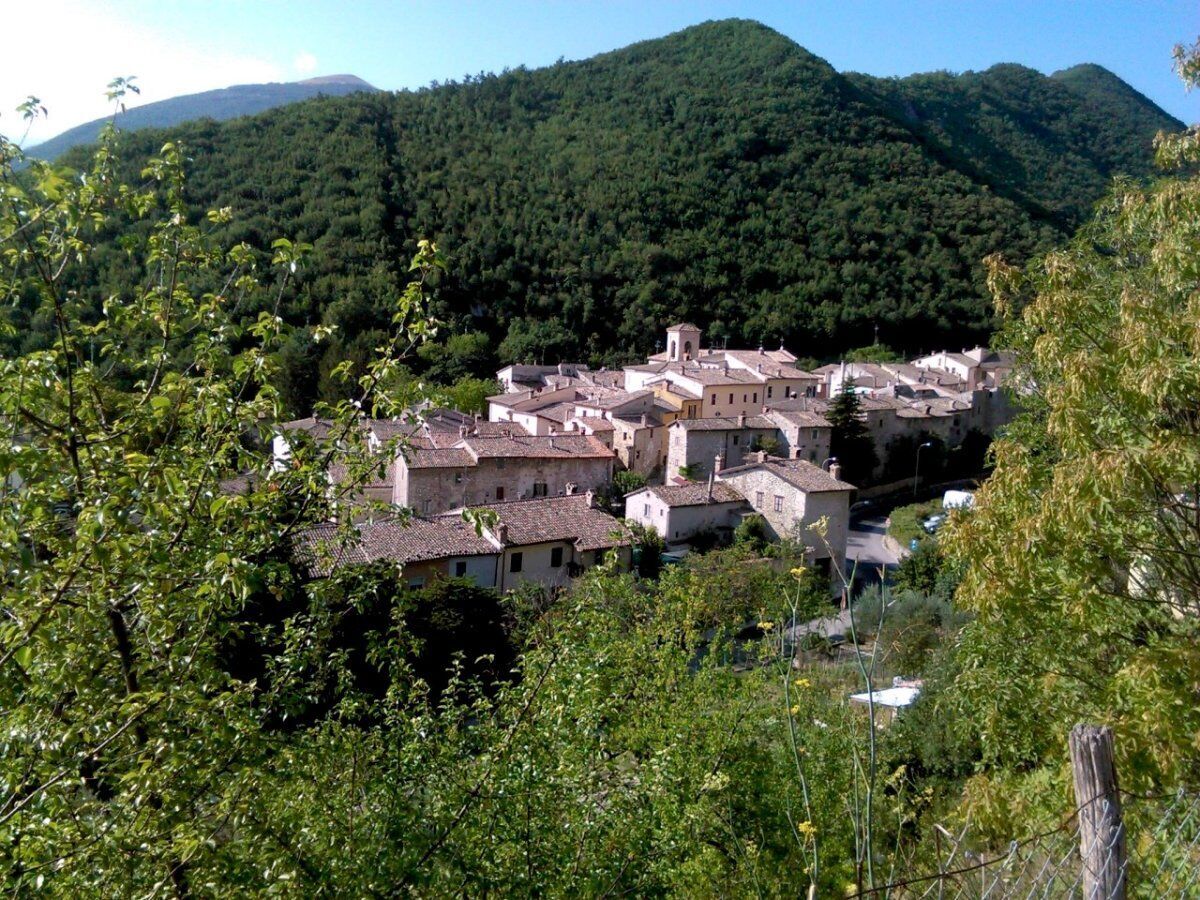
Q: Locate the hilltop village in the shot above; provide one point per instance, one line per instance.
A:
(711, 437)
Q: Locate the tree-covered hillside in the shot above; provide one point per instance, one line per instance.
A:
(722, 175)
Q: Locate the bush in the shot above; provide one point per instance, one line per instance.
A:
(752, 534)
(905, 521)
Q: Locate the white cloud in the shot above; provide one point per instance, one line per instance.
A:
(91, 47)
(305, 63)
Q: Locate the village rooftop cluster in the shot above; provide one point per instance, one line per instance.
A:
(718, 434)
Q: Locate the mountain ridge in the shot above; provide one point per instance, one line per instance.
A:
(722, 174)
(220, 104)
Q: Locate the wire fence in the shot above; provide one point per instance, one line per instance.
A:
(1154, 852)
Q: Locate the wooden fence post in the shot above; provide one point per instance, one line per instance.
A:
(1101, 832)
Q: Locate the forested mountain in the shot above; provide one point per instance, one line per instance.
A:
(221, 104)
(722, 175)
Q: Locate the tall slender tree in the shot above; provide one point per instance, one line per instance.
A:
(850, 440)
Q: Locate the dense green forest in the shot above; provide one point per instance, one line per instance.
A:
(721, 175)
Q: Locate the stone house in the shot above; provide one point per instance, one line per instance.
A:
(553, 539)
(433, 476)
(547, 541)
(678, 512)
(791, 495)
(804, 433)
(695, 443)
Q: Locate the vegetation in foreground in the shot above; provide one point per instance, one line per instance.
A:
(613, 746)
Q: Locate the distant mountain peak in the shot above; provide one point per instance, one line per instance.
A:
(344, 78)
(220, 104)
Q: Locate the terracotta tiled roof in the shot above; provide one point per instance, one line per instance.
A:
(803, 418)
(548, 519)
(682, 325)
(797, 472)
(551, 446)
(317, 427)
(467, 451)
(437, 457)
(321, 549)
(693, 494)
(724, 423)
(595, 423)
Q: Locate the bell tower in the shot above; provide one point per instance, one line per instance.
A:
(683, 342)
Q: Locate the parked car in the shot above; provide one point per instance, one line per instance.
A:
(933, 523)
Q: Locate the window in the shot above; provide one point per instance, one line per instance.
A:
(417, 583)
(755, 396)
(735, 440)
(770, 391)
(646, 510)
(812, 456)
(758, 498)
(814, 434)
(714, 399)
(458, 477)
(499, 493)
(778, 503)
(500, 463)
(540, 489)
(555, 557)
(731, 398)
(460, 568)
(515, 561)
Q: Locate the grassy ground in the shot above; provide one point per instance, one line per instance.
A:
(906, 520)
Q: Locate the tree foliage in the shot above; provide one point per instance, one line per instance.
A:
(1080, 558)
(850, 441)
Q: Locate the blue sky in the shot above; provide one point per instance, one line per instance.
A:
(64, 51)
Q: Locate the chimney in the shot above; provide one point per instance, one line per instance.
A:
(762, 456)
(645, 421)
(502, 533)
(761, 351)
(835, 469)
(720, 463)
(741, 420)
(553, 429)
(462, 431)
(590, 499)
(760, 364)
(572, 488)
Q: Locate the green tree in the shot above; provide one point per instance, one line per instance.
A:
(469, 395)
(128, 569)
(850, 441)
(1080, 557)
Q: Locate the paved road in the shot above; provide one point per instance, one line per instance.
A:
(864, 543)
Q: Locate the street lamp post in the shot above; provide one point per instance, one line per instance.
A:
(917, 471)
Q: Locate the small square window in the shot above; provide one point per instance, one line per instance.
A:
(556, 557)
(417, 583)
(515, 561)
